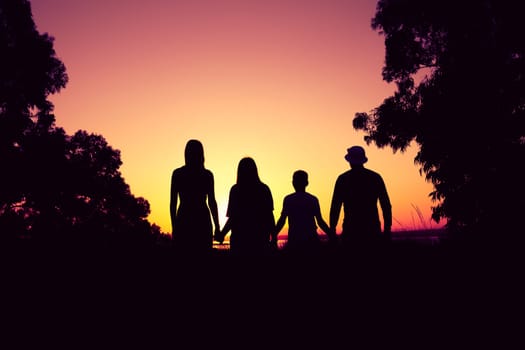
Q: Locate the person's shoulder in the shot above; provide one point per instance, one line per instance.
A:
(265, 186)
(372, 172)
(179, 170)
(344, 175)
(312, 197)
(234, 190)
(290, 196)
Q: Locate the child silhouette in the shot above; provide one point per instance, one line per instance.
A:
(304, 214)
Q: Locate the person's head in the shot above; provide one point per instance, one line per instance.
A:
(194, 154)
(356, 156)
(300, 180)
(247, 171)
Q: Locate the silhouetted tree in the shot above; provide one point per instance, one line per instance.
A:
(54, 187)
(29, 72)
(80, 193)
(459, 67)
(101, 200)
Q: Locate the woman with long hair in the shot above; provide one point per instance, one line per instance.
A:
(193, 190)
(250, 212)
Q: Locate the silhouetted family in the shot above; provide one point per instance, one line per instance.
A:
(250, 219)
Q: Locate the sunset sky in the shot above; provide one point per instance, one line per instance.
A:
(276, 80)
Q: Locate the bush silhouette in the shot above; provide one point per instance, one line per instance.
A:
(54, 187)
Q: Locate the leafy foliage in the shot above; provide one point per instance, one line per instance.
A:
(459, 68)
(54, 187)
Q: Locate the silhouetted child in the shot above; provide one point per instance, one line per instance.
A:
(304, 214)
(358, 191)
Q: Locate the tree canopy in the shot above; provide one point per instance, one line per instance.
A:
(459, 68)
(53, 186)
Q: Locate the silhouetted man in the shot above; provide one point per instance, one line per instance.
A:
(358, 190)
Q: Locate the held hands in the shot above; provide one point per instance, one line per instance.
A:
(387, 233)
(273, 242)
(218, 235)
(333, 238)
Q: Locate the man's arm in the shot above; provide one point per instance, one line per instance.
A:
(386, 208)
(335, 207)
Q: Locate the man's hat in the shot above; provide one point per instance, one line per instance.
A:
(356, 155)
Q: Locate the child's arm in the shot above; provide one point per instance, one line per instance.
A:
(278, 227)
(280, 224)
(324, 226)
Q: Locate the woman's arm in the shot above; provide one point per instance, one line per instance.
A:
(212, 204)
(174, 192)
(220, 234)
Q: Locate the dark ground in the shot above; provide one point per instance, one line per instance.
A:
(442, 295)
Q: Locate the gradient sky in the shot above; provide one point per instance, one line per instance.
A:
(276, 80)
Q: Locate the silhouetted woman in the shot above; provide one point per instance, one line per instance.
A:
(250, 212)
(194, 186)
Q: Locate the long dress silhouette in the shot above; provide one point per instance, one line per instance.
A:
(194, 186)
(250, 212)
